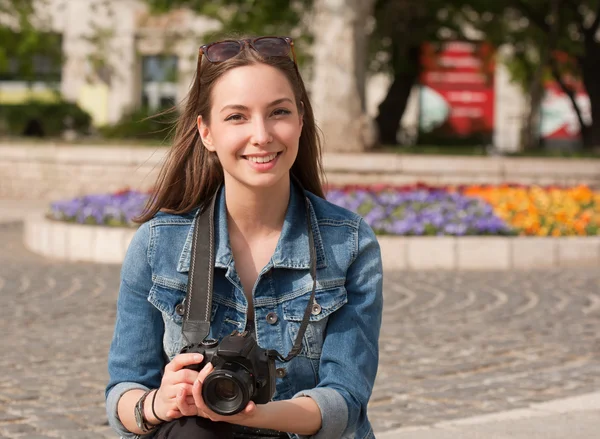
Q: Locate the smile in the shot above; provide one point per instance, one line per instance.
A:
(262, 159)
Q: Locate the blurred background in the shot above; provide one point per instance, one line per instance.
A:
(465, 132)
(453, 76)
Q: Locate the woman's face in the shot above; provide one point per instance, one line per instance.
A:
(254, 126)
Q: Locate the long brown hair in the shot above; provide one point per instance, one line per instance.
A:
(192, 174)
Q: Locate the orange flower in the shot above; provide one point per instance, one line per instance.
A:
(563, 211)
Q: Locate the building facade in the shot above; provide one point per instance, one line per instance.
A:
(117, 57)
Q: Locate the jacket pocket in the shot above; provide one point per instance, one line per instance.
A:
(326, 302)
(169, 302)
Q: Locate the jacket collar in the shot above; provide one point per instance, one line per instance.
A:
(292, 250)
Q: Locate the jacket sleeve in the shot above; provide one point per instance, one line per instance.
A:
(350, 353)
(135, 358)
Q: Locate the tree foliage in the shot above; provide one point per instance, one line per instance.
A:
(566, 29)
(248, 17)
(25, 33)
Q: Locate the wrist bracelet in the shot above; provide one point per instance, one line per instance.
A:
(140, 417)
(154, 411)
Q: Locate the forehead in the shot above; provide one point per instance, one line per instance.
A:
(253, 84)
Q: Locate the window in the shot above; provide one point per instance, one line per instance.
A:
(159, 81)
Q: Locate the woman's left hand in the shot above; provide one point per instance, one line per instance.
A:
(240, 418)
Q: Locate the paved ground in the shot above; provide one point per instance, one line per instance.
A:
(576, 417)
(453, 344)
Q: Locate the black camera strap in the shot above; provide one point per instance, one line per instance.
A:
(198, 303)
(196, 319)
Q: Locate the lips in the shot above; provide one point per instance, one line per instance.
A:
(262, 159)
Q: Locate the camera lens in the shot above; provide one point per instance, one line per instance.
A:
(228, 389)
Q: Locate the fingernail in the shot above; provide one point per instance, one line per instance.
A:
(197, 357)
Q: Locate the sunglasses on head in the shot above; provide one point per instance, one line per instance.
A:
(220, 51)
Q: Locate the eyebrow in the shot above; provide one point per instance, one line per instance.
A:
(244, 108)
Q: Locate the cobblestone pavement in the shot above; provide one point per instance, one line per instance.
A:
(453, 344)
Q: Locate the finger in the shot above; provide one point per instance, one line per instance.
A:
(183, 406)
(172, 378)
(197, 395)
(173, 391)
(205, 372)
(187, 388)
(170, 391)
(182, 360)
(174, 414)
(183, 376)
(199, 401)
(249, 408)
(198, 398)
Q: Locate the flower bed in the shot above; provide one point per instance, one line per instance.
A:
(421, 211)
(537, 211)
(416, 210)
(116, 209)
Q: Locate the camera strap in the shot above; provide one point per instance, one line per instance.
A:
(198, 301)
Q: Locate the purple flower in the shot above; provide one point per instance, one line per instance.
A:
(432, 212)
(105, 209)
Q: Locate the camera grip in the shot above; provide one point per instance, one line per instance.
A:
(206, 352)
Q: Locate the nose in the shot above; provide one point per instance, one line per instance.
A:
(260, 132)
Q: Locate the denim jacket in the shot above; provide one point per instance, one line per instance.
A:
(337, 364)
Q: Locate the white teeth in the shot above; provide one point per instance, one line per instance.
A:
(264, 159)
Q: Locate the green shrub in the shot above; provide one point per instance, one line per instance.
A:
(43, 119)
(140, 124)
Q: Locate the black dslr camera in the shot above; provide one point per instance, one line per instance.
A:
(243, 372)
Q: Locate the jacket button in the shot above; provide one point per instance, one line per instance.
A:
(316, 309)
(281, 372)
(272, 318)
(179, 309)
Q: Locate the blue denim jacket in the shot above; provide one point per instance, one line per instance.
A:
(338, 361)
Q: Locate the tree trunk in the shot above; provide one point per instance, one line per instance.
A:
(393, 106)
(571, 94)
(590, 71)
(530, 135)
(531, 132)
(338, 84)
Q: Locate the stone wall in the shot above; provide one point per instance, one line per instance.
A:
(48, 172)
(53, 172)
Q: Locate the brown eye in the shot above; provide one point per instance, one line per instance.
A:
(281, 112)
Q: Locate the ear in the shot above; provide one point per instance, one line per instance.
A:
(205, 134)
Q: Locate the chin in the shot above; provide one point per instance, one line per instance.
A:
(265, 181)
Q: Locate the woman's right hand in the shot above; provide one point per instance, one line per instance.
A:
(174, 398)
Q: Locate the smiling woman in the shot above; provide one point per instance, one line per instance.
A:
(254, 127)
(293, 273)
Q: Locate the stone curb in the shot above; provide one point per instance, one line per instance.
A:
(76, 242)
(47, 171)
(557, 407)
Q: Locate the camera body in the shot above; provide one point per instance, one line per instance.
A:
(243, 372)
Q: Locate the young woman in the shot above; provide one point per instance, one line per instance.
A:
(247, 137)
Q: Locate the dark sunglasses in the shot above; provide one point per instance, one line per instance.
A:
(220, 51)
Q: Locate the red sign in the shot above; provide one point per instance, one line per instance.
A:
(457, 89)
